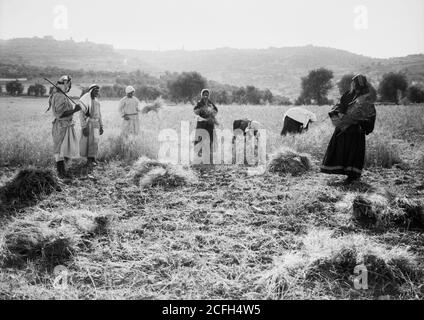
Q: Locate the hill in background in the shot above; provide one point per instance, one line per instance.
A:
(279, 69)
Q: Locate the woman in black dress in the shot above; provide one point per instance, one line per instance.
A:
(346, 151)
(206, 112)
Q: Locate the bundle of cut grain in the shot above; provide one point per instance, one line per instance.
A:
(155, 107)
(29, 185)
(142, 166)
(287, 161)
(413, 212)
(32, 240)
(151, 173)
(370, 209)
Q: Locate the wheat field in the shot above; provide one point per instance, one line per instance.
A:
(230, 235)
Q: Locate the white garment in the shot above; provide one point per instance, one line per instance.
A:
(301, 115)
(129, 89)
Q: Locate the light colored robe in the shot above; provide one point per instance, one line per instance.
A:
(130, 107)
(65, 141)
(89, 146)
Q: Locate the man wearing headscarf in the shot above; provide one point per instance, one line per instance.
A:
(129, 108)
(354, 118)
(91, 125)
(65, 141)
(206, 111)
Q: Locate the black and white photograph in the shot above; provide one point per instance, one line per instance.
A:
(211, 155)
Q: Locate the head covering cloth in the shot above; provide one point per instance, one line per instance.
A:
(129, 89)
(205, 90)
(86, 99)
(361, 84)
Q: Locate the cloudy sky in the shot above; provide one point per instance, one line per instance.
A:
(377, 28)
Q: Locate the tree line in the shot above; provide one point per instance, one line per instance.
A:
(393, 88)
(185, 87)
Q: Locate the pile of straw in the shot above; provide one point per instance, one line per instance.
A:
(152, 173)
(29, 185)
(288, 161)
(155, 107)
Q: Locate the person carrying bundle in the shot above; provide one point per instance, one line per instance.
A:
(91, 125)
(206, 112)
(354, 118)
(65, 141)
(129, 108)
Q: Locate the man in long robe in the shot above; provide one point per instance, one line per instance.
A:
(129, 108)
(346, 151)
(65, 141)
(91, 125)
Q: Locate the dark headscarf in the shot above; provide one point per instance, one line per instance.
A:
(361, 84)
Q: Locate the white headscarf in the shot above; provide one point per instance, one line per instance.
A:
(301, 115)
(62, 84)
(86, 99)
(129, 89)
(203, 91)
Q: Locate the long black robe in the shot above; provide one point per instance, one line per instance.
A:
(207, 124)
(346, 150)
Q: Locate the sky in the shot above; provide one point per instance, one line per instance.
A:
(376, 28)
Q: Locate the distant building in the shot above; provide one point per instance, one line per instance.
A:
(13, 79)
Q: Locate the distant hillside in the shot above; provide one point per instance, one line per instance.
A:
(66, 54)
(279, 69)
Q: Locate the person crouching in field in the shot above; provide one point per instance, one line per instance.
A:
(91, 125)
(353, 117)
(206, 112)
(129, 108)
(297, 120)
(250, 130)
(65, 141)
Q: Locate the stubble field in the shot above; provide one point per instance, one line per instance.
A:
(230, 235)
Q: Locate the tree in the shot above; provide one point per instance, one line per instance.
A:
(147, 93)
(392, 87)
(344, 83)
(107, 92)
(415, 94)
(37, 90)
(221, 97)
(186, 87)
(239, 96)
(281, 101)
(14, 88)
(315, 87)
(253, 95)
(119, 90)
(373, 92)
(267, 96)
